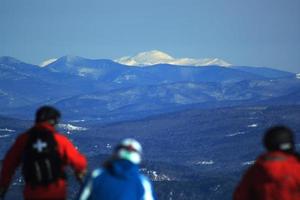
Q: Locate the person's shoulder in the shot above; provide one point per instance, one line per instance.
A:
(294, 160)
(22, 137)
(62, 140)
(282, 156)
(60, 137)
(143, 176)
(286, 160)
(97, 172)
(273, 156)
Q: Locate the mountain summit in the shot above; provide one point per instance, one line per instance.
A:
(158, 57)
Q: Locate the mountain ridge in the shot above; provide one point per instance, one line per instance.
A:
(103, 88)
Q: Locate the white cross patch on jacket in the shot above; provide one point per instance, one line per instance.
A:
(39, 145)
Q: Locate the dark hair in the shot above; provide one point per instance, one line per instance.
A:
(279, 138)
(47, 113)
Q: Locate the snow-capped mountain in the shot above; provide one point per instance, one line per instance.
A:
(157, 57)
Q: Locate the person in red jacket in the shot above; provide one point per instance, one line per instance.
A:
(275, 174)
(43, 179)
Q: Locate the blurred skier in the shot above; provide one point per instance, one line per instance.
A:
(119, 179)
(43, 153)
(275, 174)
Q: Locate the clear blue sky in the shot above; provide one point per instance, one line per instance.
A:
(243, 32)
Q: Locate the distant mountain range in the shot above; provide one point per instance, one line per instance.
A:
(154, 57)
(200, 126)
(108, 90)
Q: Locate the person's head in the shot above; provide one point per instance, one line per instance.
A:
(129, 149)
(279, 138)
(47, 114)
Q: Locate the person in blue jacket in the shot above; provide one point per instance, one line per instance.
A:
(119, 178)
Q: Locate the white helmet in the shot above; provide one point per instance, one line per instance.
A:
(130, 149)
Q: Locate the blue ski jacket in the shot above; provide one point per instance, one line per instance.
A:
(121, 181)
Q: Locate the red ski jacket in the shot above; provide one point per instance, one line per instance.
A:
(56, 190)
(274, 176)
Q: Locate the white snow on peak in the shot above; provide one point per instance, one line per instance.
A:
(47, 62)
(298, 75)
(146, 58)
(157, 57)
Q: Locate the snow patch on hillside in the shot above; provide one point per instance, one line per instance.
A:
(125, 77)
(5, 136)
(155, 176)
(84, 71)
(6, 130)
(70, 127)
(235, 134)
(252, 125)
(248, 163)
(205, 162)
(77, 120)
